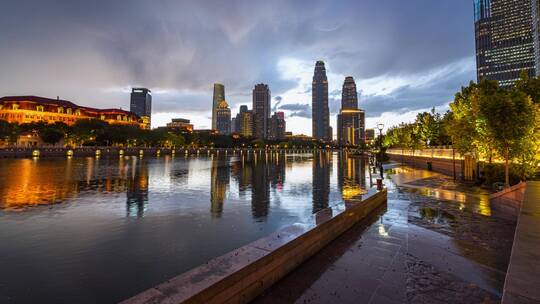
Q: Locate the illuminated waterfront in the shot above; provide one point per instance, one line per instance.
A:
(90, 230)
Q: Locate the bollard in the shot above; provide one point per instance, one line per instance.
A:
(379, 184)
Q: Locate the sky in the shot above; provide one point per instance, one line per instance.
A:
(406, 56)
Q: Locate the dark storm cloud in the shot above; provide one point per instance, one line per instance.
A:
(297, 110)
(91, 51)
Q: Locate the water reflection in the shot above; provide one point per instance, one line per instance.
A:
(132, 216)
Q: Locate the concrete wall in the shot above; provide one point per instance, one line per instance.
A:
(441, 165)
(243, 274)
(507, 203)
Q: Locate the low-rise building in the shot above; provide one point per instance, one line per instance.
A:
(180, 124)
(28, 109)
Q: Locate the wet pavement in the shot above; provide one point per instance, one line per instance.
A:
(434, 243)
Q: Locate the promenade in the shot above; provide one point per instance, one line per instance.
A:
(436, 243)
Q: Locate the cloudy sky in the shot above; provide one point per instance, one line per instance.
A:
(406, 56)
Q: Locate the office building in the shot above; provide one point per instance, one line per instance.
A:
(223, 118)
(350, 120)
(504, 40)
(261, 110)
(277, 126)
(219, 95)
(536, 34)
(141, 104)
(319, 104)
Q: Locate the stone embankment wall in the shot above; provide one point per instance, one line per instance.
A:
(241, 275)
(441, 165)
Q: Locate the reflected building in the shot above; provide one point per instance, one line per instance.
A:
(351, 176)
(276, 169)
(220, 178)
(322, 167)
(137, 189)
(260, 187)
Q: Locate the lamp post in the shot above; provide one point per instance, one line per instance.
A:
(380, 127)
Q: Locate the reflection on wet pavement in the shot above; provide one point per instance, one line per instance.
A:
(423, 249)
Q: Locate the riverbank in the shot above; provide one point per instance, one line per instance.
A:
(428, 247)
(15, 152)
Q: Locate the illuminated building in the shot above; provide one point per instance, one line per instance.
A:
(370, 135)
(246, 123)
(536, 34)
(261, 110)
(219, 95)
(277, 126)
(223, 115)
(28, 109)
(504, 40)
(180, 124)
(350, 120)
(141, 104)
(319, 104)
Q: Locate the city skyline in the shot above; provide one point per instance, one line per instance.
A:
(106, 57)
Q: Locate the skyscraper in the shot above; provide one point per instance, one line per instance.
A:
(261, 110)
(223, 118)
(350, 120)
(504, 40)
(536, 34)
(319, 104)
(277, 126)
(141, 104)
(219, 95)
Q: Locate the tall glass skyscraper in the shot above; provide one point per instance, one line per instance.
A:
(536, 34)
(504, 40)
(319, 104)
(350, 120)
(141, 104)
(261, 110)
(219, 95)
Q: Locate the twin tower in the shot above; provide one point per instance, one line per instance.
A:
(350, 120)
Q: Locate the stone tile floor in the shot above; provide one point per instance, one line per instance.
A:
(419, 249)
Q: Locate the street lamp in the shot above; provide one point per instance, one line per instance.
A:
(380, 126)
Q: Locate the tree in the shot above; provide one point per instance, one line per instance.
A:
(510, 121)
(51, 135)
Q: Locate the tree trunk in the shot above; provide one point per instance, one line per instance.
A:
(506, 174)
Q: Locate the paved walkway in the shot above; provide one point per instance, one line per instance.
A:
(424, 248)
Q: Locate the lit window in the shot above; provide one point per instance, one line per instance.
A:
(118, 117)
(15, 106)
(69, 111)
(40, 108)
(78, 112)
(102, 117)
(60, 110)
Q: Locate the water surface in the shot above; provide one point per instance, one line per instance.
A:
(87, 230)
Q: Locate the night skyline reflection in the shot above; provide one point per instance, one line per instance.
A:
(69, 218)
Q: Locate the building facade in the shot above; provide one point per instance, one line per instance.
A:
(219, 95)
(350, 120)
(261, 110)
(223, 117)
(28, 109)
(180, 124)
(536, 34)
(246, 123)
(319, 104)
(141, 104)
(504, 40)
(277, 126)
